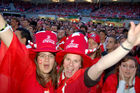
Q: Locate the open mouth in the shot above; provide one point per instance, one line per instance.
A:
(69, 71)
(46, 66)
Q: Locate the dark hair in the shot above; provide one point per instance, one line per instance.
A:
(81, 31)
(25, 34)
(16, 20)
(53, 74)
(84, 26)
(115, 40)
(103, 32)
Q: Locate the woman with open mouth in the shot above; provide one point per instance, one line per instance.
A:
(19, 73)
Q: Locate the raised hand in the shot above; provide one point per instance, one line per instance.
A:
(121, 76)
(134, 34)
(2, 22)
(132, 77)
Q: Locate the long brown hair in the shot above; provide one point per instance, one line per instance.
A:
(52, 74)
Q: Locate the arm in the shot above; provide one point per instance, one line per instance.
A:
(112, 58)
(5, 36)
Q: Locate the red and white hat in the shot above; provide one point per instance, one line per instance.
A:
(76, 43)
(95, 37)
(45, 41)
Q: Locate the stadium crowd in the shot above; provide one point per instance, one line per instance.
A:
(113, 10)
(51, 56)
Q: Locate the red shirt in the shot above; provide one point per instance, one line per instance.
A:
(110, 84)
(31, 85)
(75, 84)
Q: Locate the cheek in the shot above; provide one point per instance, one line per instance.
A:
(123, 69)
(65, 64)
(131, 71)
(52, 63)
(77, 66)
(40, 61)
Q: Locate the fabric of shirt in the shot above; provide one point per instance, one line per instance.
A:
(76, 84)
(111, 83)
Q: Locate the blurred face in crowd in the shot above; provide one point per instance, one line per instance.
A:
(70, 31)
(54, 28)
(14, 23)
(48, 27)
(72, 63)
(92, 44)
(25, 23)
(128, 68)
(60, 34)
(18, 34)
(45, 62)
(82, 28)
(110, 43)
(30, 28)
(102, 35)
(113, 32)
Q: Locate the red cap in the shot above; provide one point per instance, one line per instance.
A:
(95, 37)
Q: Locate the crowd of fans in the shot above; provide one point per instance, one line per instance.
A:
(106, 39)
(122, 10)
(66, 28)
(113, 10)
(102, 40)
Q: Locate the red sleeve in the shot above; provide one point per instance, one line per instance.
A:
(137, 58)
(3, 49)
(14, 66)
(137, 84)
(110, 84)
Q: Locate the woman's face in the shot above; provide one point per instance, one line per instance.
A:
(128, 68)
(92, 44)
(72, 63)
(45, 62)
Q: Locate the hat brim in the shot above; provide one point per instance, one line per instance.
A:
(45, 50)
(86, 59)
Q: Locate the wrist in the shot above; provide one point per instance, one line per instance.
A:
(127, 45)
(3, 26)
(6, 28)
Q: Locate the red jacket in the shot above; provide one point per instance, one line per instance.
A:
(75, 84)
(110, 85)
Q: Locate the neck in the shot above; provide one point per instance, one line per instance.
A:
(93, 56)
(127, 80)
(46, 76)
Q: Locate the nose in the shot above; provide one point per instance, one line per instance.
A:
(47, 58)
(127, 68)
(71, 63)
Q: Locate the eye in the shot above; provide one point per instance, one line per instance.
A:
(42, 56)
(51, 56)
(67, 59)
(123, 65)
(132, 67)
